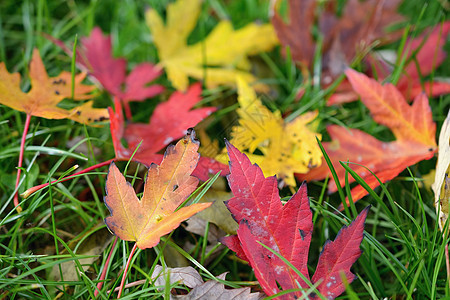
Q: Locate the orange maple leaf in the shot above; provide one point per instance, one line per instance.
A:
(42, 100)
(412, 126)
(166, 187)
(46, 92)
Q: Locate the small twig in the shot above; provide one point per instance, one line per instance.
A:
(19, 165)
(36, 188)
(125, 271)
(106, 268)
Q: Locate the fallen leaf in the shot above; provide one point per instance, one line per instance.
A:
(213, 247)
(46, 93)
(215, 290)
(173, 258)
(423, 55)
(95, 57)
(361, 26)
(441, 185)
(93, 244)
(220, 57)
(287, 230)
(168, 123)
(198, 225)
(218, 213)
(166, 187)
(412, 126)
(286, 147)
(185, 275)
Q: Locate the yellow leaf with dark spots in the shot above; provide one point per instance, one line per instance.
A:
(47, 92)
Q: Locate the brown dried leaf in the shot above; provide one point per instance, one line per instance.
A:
(215, 290)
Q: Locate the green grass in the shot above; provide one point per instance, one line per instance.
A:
(403, 250)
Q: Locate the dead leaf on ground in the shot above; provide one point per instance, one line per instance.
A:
(197, 225)
(441, 185)
(215, 290)
(167, 185)
(47, 92)
(221, 56)
(185, 275)
(93, 246)
(412, 126)
(168, 123)
(278, 147)
(95, 56)
(423, 54)
(361, 26)
(286, 229)
(218, 213)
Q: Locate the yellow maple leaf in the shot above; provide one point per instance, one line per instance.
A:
(221, 56)
(286, 148)
(46, 92)
(209, 148)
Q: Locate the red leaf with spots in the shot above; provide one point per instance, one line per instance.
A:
(287, 229)
(169, 122)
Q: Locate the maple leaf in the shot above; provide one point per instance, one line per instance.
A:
(423, 55)
(354, 32)
(286, 147)
(441, 185)
(46, 93)
(166, 187)
(287, 230)
(412, 126)
(220, 57)
(168, 123)
(95, 56)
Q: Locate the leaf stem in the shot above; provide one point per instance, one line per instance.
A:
(126, 106)
(36, 188)
(105, 268)
(125, 271)
(19, 165)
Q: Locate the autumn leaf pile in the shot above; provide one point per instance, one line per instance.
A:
(269, 146)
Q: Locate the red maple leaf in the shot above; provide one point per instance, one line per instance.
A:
(423, 55)
(412, 126)
(95, 56)
(169, 122)
(354, 32)
(287, 230)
